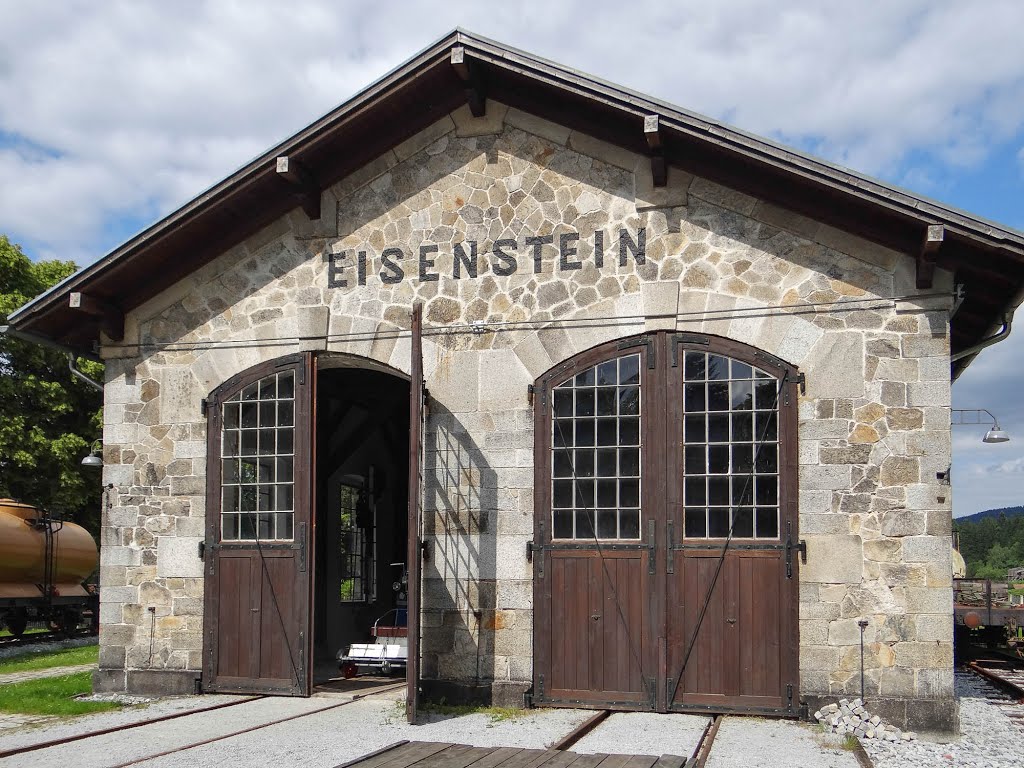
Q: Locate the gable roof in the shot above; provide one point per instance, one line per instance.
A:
(988, 259)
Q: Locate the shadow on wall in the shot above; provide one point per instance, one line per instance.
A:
(460, 528)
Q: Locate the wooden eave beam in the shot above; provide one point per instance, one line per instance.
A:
(928, 255)
(652, 132)
(470, 74)
(110, 317)
(303, 184)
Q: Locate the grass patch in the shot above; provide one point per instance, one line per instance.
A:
(52, 696)
(28, 661)
(849, 742)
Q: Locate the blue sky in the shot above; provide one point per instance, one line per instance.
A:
(112, 114)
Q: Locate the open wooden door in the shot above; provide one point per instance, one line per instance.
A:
(258, 558)
(416, 415)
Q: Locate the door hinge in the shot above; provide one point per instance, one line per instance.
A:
(204, 404)
(651, 548)
(302, 547)
(641, 341)
(790, 546)
(801, 380)
(540, 687)
(652, 691)
(202, 550)
(789, 695)
(670, 565)
(686, 338)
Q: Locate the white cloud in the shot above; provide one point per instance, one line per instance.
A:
(140, 106)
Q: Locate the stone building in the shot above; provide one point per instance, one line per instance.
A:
(686, 419)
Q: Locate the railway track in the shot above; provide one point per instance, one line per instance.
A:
(38, 638)
(41, 747)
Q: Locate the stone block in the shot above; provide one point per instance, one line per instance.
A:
(611, 154)
(503, 380)
(903, 522)
(178, 557)
(660, 302)
(113, 555)
(823, 429)
(920, 600)
(538, 126)
(455, 383)
(835, 559)
(493, 120)
(830, 477)
(835, 367)
(424, 138)
(922, 549)
(929, 393)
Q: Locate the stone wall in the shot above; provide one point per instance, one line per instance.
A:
(874, 422)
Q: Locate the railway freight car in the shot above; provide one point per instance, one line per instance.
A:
(43, 564)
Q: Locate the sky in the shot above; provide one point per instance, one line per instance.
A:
(113, 114)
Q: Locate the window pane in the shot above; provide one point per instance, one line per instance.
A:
(742, 395)
(718, 396)
(696, 523)
(718, 523)
(584, 462)
(694, 429)
(767, 458)
(718, 459)
(695, 460)
(231, 419)
(695, 491)
(606, 465)
(767, 490)
(562, 496)
(607, 495)
(250, 415)
(563, 402)
(741, 370)
(229, 527)
(285, 414)
(585, 378)
(584, 498)
(629, 431)
(584, 526)
(286, 385)
(562, 464)
(584, 431)
(561, 524)
(629, 462)
(268, 388)
(695, 366)
(629, 401)
(584, 402)
(629, 524)
(606, 398)
(718, 428)
(606, 432)
(607, 524)
(629, 493)
(718, 367)
(694, 397)
(718, 490)
(607, 373)
(767, 523)
(629, 369)
(561, 432)
(743, 523)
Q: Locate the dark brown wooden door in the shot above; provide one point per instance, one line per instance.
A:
(417, 395)
(259, 531)
(687, 603)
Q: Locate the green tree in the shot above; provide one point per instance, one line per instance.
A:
(48, 418)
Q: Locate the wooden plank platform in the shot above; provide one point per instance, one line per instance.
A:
(425, 754)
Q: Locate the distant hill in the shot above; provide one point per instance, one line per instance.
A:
(1008, 511)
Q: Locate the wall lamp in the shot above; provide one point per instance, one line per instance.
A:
(974, 416)
(94, 459)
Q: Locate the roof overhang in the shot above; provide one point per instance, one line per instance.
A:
(988, 260)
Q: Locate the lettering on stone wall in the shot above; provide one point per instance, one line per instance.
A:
(506, 257)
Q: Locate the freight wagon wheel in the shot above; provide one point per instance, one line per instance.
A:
(16, 624)
(65, 622)
(349, 670)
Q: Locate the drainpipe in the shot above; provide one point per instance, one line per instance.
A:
(6, 330)
(994, 339)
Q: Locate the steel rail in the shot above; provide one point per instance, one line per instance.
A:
(116, 728)
(581, 730)
(993, 676)
(707, 739)
(250, 729)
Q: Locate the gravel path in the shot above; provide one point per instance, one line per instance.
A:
(989, 738)
(646, 733)
(11, 651)
(747, 741)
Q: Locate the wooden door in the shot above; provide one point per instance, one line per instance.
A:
(595, 602)
(731, 581)
(259, 531)
(703, 590)
(417, 396)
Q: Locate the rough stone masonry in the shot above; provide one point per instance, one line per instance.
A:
(874, 437)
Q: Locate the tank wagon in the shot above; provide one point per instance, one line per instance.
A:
(43, 564)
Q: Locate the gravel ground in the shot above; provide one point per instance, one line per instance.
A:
(57, 730)
(645, 733)
(338, 735)
(745, 741)
(989, 738)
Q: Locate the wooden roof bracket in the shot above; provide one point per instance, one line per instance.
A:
(472, 79)
(652, 132)
(303, 184)
(110, 317)
(928, 255)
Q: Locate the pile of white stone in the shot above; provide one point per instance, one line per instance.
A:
(850, 717)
